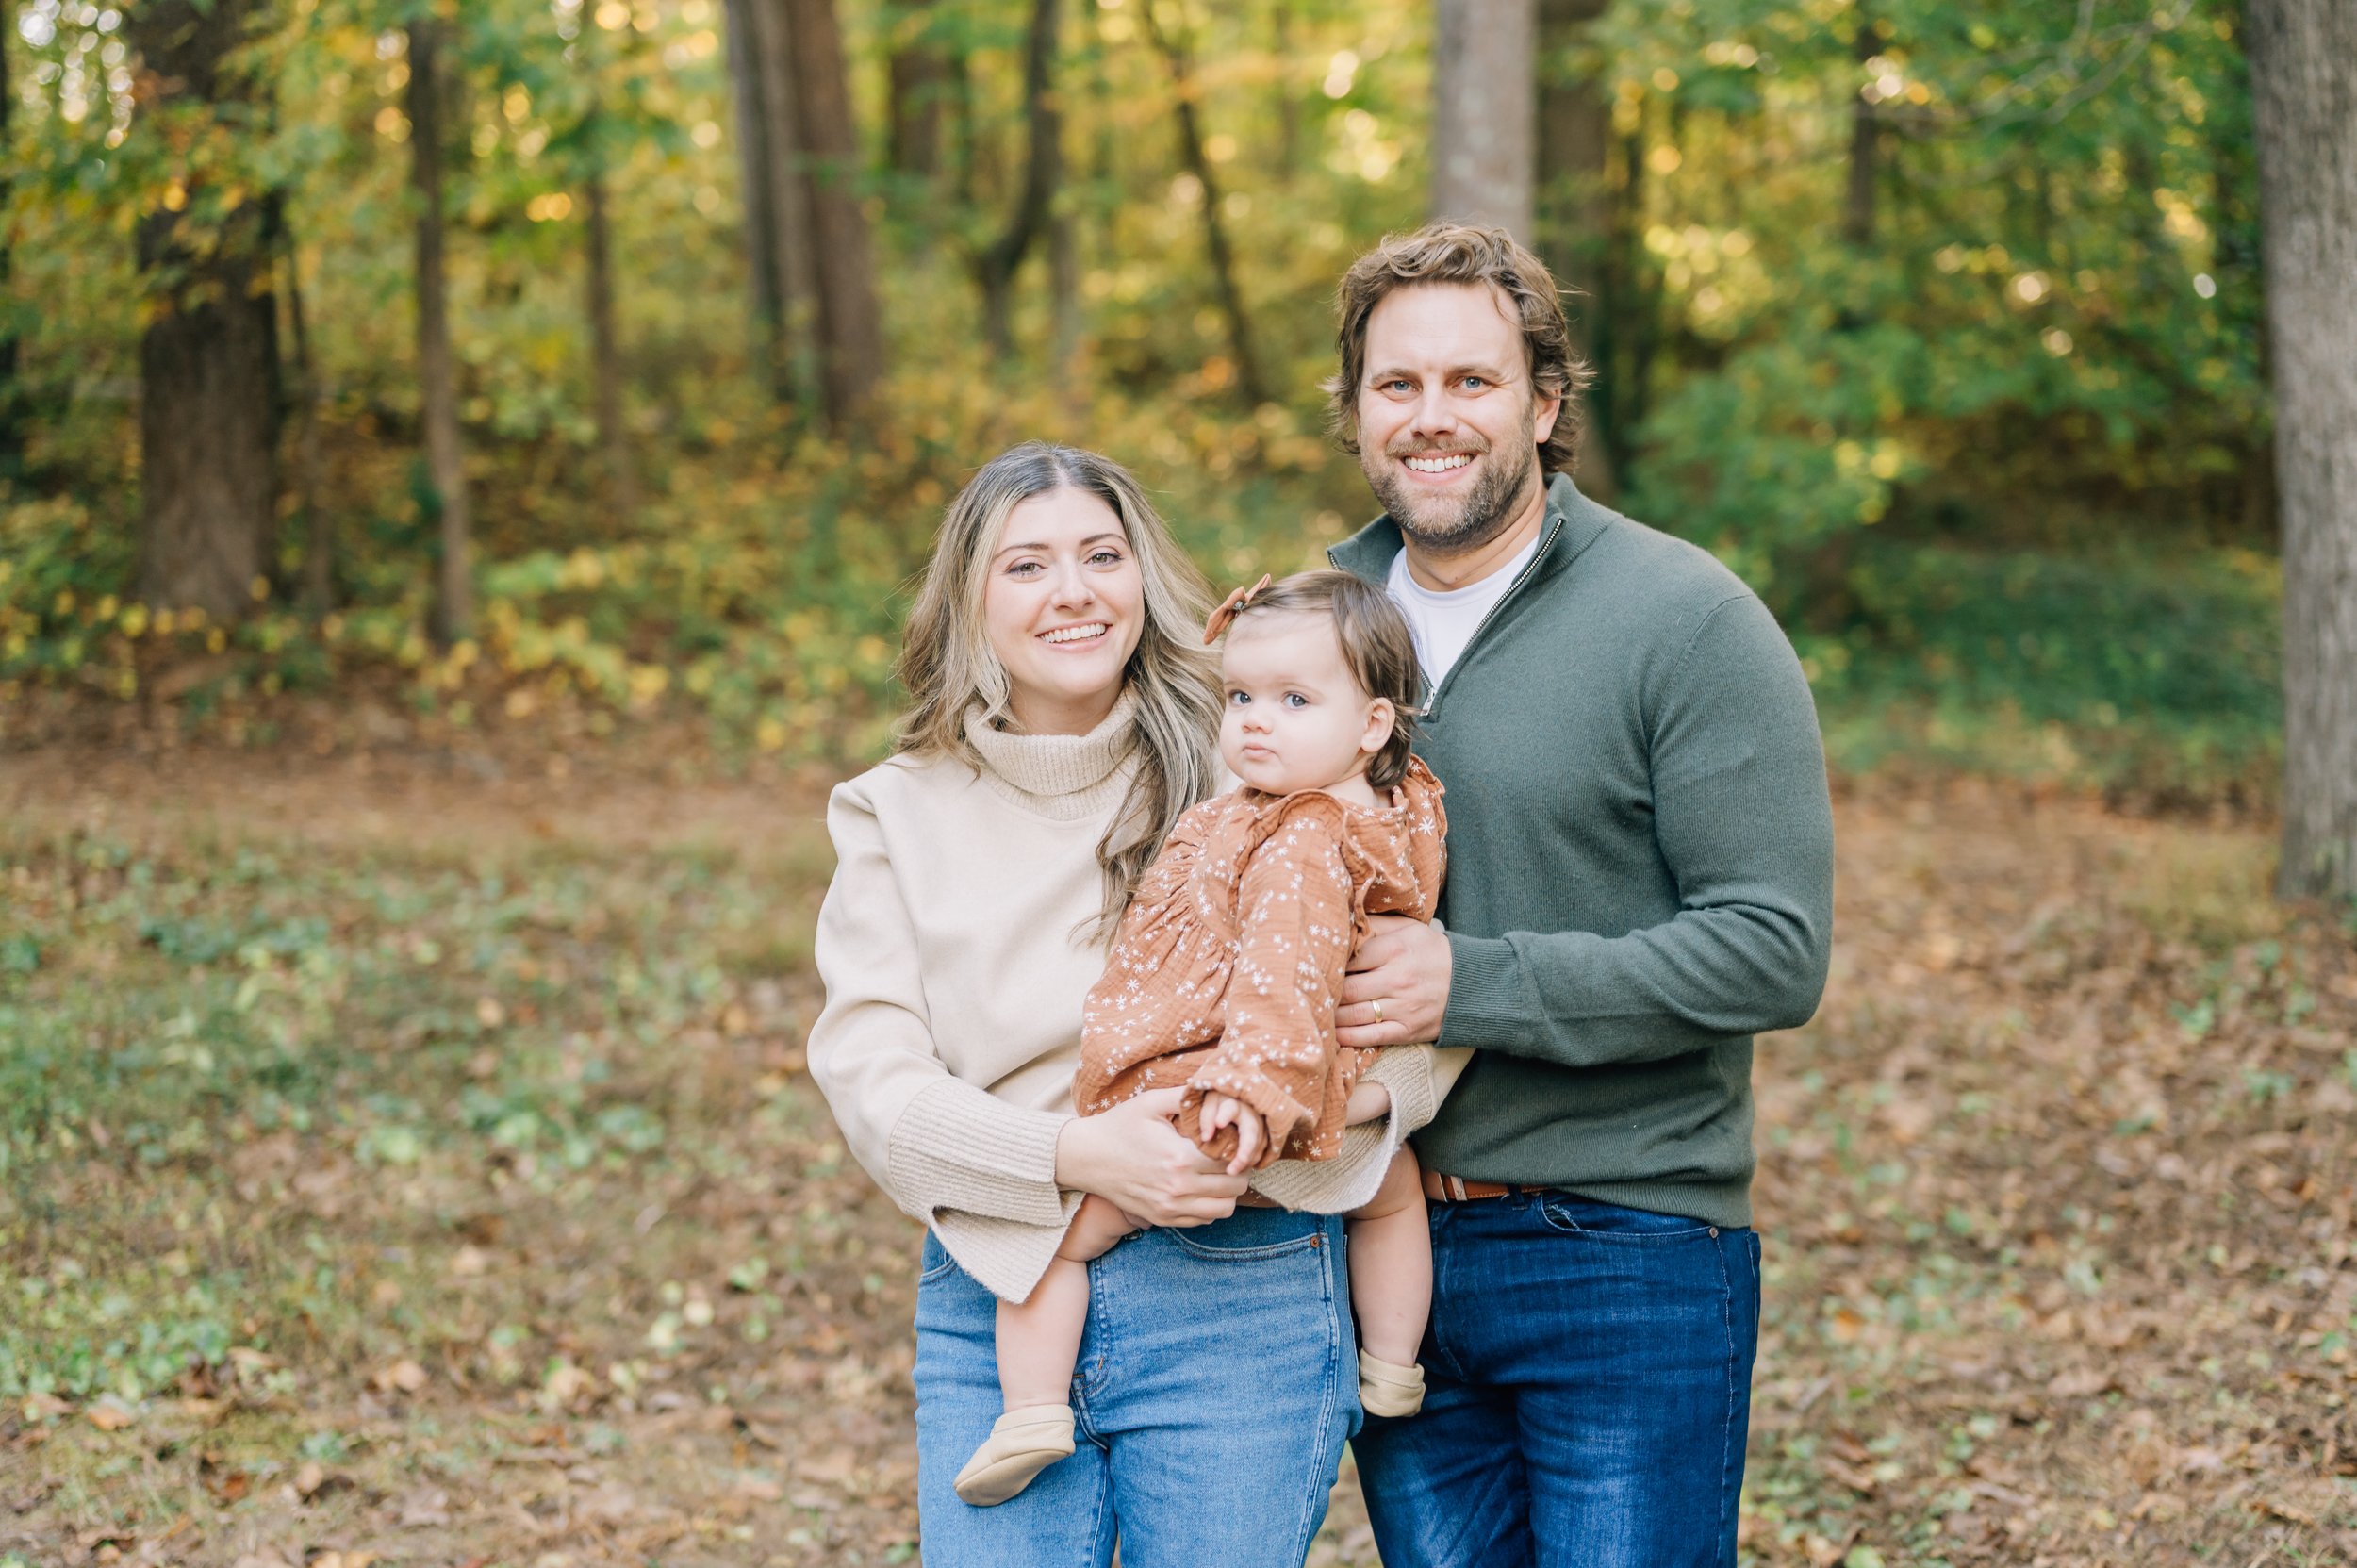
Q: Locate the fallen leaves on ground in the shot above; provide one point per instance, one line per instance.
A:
(2057, 1195)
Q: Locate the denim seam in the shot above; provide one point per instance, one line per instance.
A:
(1570, 1226)
(1441, 1346)
(1086, 1376)
(1096, 1514)
(1245, 1254)
(1312, 1504)
(1731, 1461)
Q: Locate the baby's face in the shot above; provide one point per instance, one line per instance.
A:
(1295, 718)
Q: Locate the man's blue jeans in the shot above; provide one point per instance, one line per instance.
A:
(1588, 1373)
(1217, 1382)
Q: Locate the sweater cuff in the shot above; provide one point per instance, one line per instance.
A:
(1406, 1074)
(960, 1147)
(1484, 994)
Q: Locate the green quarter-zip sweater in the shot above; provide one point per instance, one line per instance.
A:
(1639, 865)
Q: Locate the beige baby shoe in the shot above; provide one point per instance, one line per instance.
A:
(1022, 1442)
(1388, 1389)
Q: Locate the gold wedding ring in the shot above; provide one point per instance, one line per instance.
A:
(1377, 1005)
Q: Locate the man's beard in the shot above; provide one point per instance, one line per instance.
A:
(1440, 527)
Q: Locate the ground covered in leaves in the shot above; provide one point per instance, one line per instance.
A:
(405, 1158)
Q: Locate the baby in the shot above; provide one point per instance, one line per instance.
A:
(1225, 974)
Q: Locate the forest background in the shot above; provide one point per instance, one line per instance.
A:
(1941, 323)
(460, 469)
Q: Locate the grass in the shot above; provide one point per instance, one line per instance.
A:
(2153, 679)
(416, 1169)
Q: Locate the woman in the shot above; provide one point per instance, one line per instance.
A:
(1064, 717)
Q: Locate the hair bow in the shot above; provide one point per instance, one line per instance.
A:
(1231, 609)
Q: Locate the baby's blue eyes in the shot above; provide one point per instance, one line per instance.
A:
(1292, 698)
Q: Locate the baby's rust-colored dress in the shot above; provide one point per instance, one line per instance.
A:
(1227, 968)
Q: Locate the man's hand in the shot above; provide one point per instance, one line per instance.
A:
(1403, 969)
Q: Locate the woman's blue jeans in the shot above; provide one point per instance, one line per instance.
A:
(1217, 1383)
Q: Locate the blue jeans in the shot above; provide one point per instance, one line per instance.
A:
(1217, 1382)
(1589, 1376)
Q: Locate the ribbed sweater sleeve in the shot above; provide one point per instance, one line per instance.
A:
(978, 1170)
(1743, 819)
(1418, 1078)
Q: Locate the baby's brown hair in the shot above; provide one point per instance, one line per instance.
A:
(1376, 645)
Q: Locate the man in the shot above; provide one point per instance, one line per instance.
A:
(1640, 879)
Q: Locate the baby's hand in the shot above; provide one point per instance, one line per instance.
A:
(1221, 1111)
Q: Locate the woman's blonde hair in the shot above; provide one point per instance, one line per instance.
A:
(947, 666)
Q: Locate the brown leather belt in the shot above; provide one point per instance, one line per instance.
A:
(1456, 1189)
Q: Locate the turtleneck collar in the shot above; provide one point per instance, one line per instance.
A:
(1063, 777)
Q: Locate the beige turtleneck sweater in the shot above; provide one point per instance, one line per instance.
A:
(955, 950)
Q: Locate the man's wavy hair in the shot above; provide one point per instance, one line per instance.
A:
(1465, 253)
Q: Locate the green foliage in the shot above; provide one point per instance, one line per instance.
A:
(2045, 347)
(2159, 677)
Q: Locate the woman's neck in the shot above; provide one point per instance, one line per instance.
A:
(1045, 714)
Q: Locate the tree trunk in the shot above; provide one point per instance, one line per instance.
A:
(1248, 382)
(1288, 94)
(1628, 319)
(762, 262)
(318, 524)
(849, 326)
(208, 359)
(437, 382)
(1574, 197)
(605, 351)
(917, 73)
(1485, 111)
(11, 436)
(771, 45)
(1857, 208)
(1063, 287)
(995, 266)
(2303, 74)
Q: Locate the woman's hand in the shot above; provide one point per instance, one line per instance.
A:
(1368, 1103)
(1133, 1157)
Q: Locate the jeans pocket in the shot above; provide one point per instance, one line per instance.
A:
(1584, 1216)
(1254, 1253)
(934, 1262)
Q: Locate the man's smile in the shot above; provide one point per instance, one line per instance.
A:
(1439, 462)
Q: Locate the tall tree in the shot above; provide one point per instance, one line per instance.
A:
(1574, 215)
(605, 346)
(770, 89)
(12, 437)
(1188, 89)
(850, 325)
(996, 263)
(209, 359)
(758, 185)
(1857, 210)
(438, 380)
(919, 75)
(2304, 76)
(310, 400)
(1485, 111)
